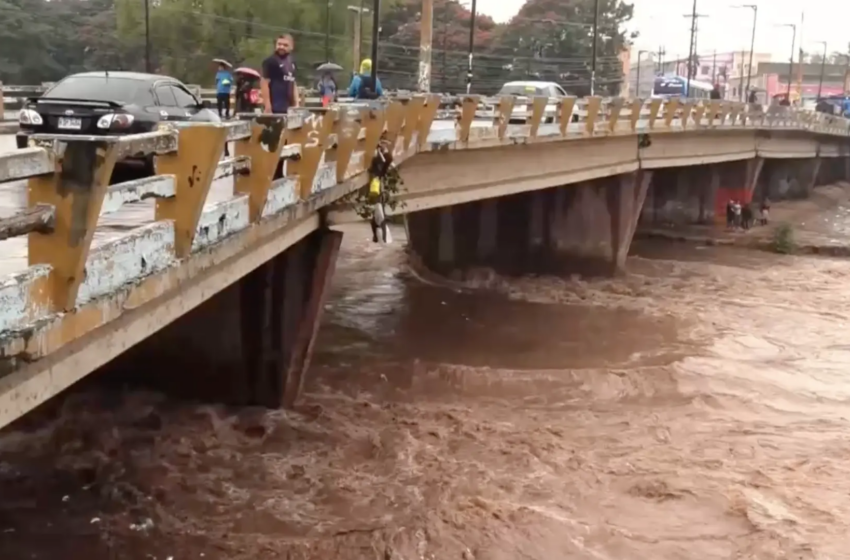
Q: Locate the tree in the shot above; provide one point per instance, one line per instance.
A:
(549, 39)
(553, 40)
(450, 43)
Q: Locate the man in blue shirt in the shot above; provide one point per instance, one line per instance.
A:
(223, 85)
(280, 92)
(362, 86)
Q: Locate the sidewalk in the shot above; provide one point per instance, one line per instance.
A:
(820, 224)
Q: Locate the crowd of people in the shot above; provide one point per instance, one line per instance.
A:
(277, 90)
(741, 215)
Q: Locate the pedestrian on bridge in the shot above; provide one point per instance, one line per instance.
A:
(223, 87)
(363, 86)
(279, 90)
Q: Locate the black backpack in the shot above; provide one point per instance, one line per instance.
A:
(367, 87)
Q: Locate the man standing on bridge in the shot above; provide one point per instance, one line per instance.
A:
(280, 92)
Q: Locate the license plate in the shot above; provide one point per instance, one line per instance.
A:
(69, 123)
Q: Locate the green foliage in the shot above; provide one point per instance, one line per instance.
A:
(391, 188)
(44, 40)
(783, 239)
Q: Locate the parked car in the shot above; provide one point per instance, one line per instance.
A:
(111, 103)
(524, 91)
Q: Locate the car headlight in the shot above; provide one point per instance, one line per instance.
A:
(28, 116)
(115, 121)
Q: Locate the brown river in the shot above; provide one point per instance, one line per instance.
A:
(697, 408)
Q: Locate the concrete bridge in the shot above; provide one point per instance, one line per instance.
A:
(216, 265)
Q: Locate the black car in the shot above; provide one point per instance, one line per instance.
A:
(110, 103)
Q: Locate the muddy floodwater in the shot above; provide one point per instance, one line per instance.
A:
(698, 408)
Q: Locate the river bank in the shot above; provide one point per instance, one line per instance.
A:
(818, 225)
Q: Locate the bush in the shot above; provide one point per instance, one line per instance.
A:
(783, 239)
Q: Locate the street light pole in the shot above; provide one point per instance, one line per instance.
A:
(791, 60)
(328, 31)
(595, 42)
(637, 81)
(148, 37)
(822, 70)
(471, 48)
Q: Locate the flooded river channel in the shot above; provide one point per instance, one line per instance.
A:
(698, 408)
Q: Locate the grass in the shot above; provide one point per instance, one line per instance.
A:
(783, 239)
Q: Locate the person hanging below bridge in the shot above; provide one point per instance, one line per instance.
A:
(379, 170)
(363, 86)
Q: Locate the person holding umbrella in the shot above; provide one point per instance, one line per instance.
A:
(223, 86)
(327, 84)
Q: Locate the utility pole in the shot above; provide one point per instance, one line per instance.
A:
(637, 81)
(471, 48)
(714, 68)
(692, 50)
(426, 33)
(595, 43)
(752, 46)
(376, 27)
(661, 52)
(148, 68)
(357, 40)
(691, 53)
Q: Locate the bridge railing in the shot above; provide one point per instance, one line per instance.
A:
(322, 155)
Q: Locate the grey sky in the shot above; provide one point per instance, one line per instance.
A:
(726, 29)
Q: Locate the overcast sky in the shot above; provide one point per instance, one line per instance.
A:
(661, 22)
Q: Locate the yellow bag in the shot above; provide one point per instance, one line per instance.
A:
(375, 187)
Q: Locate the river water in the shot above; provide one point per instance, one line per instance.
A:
(697, 408)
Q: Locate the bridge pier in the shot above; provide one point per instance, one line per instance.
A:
(249, 344)
(574, 228)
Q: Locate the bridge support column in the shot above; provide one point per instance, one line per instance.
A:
(753, 174)
(574, 228)
(249, 344)
(281, 308)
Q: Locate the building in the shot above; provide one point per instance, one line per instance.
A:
(771, 79)
(724, 69)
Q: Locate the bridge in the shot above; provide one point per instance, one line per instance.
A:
(217, 262)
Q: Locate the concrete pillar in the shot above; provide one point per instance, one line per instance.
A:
(626, 196)
(709, 189)
(811, 170)
(281, 308)
(536, 220)
(753, 174)
(249, 344)
(488, 220)
(446, 237)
